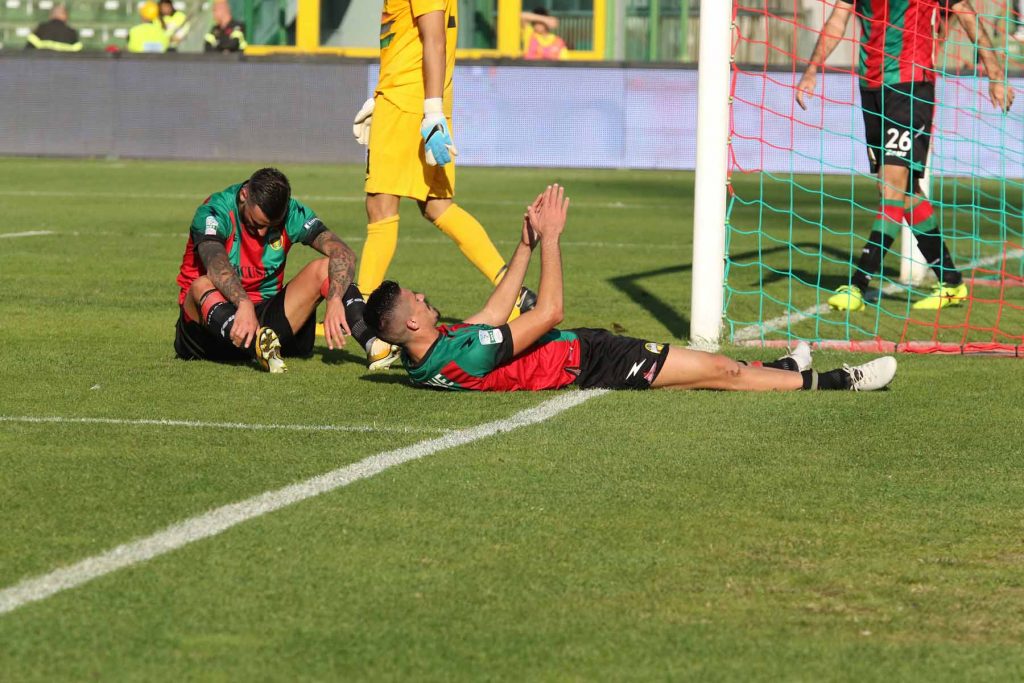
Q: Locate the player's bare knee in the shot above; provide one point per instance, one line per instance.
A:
(894, 185)
(321, 268)
(380, 207)
(432, 209)
(727, 367)
(200, 286)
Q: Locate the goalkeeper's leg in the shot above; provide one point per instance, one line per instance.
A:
(381, 240)
(471, 238)
(467, 233)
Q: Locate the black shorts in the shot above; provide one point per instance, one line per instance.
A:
(898, 126)
(608, 361)
(195, 341)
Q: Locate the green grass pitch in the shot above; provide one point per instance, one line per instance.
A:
(641, 536)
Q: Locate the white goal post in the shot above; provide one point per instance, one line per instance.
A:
(714, 75)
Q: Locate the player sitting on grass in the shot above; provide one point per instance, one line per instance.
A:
(233, 301)
(487, 354)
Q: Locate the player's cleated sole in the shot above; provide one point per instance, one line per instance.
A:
(941, 297)
(873, 375)
(268, 351)
(382, 356)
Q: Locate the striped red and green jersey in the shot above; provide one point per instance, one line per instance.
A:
(259, 261)
(479, 358)
(897, 40)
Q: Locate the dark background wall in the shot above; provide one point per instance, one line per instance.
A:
(180, 107)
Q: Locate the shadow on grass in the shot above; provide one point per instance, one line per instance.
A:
(388, 378)
(339, 356)
(679, 325)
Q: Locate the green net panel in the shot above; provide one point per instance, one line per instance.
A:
(803, 199)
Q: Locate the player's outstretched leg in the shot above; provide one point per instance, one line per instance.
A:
(797, 359)
(688, 369)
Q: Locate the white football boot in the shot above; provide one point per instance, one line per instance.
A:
(873, 375)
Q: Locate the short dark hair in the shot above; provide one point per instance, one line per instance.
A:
(380, 309)
(543, 11)
(269, 189)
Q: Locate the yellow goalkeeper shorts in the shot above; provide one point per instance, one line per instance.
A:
(395, 163)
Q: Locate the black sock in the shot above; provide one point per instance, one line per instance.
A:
(221, 316)
(838, 379)
(934, 251)
(785, 363)
(354, 307)
(870, 262)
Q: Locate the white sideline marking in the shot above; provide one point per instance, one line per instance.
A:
(27, 233)
(220, 519)
(57, 419)
(754, 331)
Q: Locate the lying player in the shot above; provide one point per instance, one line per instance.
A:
(485, 353)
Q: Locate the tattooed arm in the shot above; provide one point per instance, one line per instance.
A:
(342, 264)
(227, 282)
(340, 271)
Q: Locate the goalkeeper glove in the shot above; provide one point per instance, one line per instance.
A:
(361, 124)
(438, 148)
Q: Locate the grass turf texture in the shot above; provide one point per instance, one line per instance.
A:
(640, 535)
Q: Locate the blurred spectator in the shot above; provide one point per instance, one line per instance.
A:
(538, 40)
(227, 35)
(175, 22)
(149, 36)
(55, 34)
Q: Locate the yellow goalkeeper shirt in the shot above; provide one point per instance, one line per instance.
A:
(401, 52)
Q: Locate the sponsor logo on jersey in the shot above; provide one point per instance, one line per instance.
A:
(276, 244)
(211, 226)
(490, 336)
(654, 348)
(441, 381)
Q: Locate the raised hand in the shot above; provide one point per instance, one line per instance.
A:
(547, 215)
(529, 236)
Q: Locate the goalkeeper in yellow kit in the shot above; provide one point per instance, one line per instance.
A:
(411, 152)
